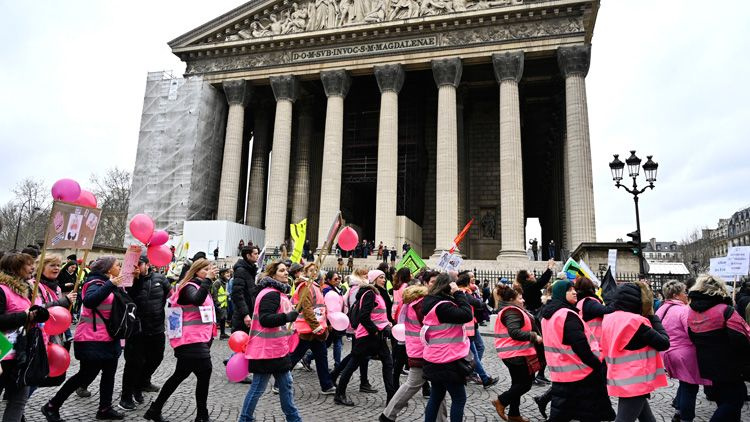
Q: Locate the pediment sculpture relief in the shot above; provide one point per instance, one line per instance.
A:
(318, 15)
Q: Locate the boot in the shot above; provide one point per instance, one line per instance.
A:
(342, 400)
(542, 401)
(384, 418)
(518, 418)
(109, 413)
(154, 414)
(52, 413)
(500, 408)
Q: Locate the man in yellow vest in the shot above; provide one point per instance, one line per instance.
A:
(219, 296)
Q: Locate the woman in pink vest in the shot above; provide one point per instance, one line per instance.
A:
(15, 312)
(398, 349)
(467, 284)
(590, 307)
(446, 366)
(334, 298)
(517, 337)
(268, 349)
(371, 336)
(570, 349)
(93, 346)
(680, 360)
(631, 338)
(722, 344)
(192, 347)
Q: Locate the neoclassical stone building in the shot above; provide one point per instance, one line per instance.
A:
(409, 116)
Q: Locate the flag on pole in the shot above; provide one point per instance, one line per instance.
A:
(299, 232)
(461, 235)
(609, 286)
(590, 274)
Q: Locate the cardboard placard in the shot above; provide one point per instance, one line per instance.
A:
(72, 226)
(412, 261)
(129, 263)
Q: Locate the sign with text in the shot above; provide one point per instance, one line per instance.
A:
(412, 261)
(72, 226)
(738, 260)
(612, 260)
(449, 261)
(367, 48)
(129, 265)
(719, 267)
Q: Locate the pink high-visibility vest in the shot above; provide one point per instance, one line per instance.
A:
(319, 308)
(412, 327)
(194, 330)
(443, 342)
(563, 363)
(48, 295)
(630, 373)
(378, 316)
(13, 303)
(268, 343)
(595, 324)
(506, 346)
(398, 296)
(85, 330)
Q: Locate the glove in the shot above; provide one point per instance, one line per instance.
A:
(40, 314)
(291, 316)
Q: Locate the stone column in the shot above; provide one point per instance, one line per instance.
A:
(390, 79)
(301, 189)
(237, 93)
(574, 65)
(447, 74)
(256, 197)
(508, 71)
(336, 84)
(285, 90)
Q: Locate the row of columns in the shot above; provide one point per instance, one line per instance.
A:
(508, 69)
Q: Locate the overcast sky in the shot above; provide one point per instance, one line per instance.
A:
(667, 78)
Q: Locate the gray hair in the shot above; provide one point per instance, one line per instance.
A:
(103, 264)
(710, 285)
(672, 288)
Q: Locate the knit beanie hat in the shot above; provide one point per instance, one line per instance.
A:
(374, 274)
(560, 288)
(103, 264)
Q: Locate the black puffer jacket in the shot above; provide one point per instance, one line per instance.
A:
(243, 292)
(150, 293)
(269, 317)
(447, 314)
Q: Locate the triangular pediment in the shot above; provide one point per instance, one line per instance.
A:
(263, 19)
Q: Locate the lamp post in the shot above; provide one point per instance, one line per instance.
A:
(649, 169)
(20, 214)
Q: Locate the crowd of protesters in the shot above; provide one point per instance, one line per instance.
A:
(592, 350)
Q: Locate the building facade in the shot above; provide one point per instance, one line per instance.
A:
(410, 116)
(655, 251)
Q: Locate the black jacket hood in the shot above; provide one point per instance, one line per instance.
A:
(628, 298)
(701, 302)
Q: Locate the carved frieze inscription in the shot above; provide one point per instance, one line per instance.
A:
(391, 46)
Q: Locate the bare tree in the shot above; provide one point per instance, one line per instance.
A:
(112, 191)
(23, 220)
(697, 251)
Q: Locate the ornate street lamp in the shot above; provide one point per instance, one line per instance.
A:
(649, 169)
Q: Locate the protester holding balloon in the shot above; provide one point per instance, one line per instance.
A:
(191, 330)
(16, 312)
(96, 350)
(268, 347)
(400, 282)
(334, 298)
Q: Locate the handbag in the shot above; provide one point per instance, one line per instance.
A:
(533, 364)
(466, 365)
(31, 358)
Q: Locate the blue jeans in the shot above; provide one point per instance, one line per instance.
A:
(478, 343)
(684, 400)
(437, 395)
(478, 368)
(730, 397)
(337, 341)
(320, 354)
(258, 387)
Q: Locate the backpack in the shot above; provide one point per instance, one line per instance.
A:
(353, 313)
(122, 322)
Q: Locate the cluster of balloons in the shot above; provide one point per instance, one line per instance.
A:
(68, 190)
(142, 228)
(348, 239)
(57, 357)
(237, 368)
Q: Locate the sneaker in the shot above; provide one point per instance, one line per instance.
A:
(51, 413)
(154, 415)
(83, 392)
(275, 390)
(384, 418)
(306, 365)
(248, 380)
(150, 388)
(342, 400)
(328, 391)
(126, 404)
(367, 389)
(490, 382)
(138, 397)
(109, 414)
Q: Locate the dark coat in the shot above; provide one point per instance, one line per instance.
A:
(594, 308)
(99, 287)
(243, 292)
(368, 345)
(513, 320)
(628, 299)
(567, 397)
(447, 314)
(150, 293)
(532, 291)
(269, 317)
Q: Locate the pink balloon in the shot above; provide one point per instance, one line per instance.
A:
(339, 321)
(159, 237)
(86, 199)
(348, 239)
(58, 359)
(237, 369)
(66, 190)
(59, 320)
(399, 332)
(142, 227)
(159, 256)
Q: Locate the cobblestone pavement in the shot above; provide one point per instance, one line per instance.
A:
(225, 399)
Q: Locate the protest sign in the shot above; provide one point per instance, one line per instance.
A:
(449, 261)
(129, 264)
(299, 233)
(71, 226)
(719, 267)
(412, 261)
(612, 260)
(738, 261)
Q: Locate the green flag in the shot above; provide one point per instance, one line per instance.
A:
(412, 261)
(5, 346)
